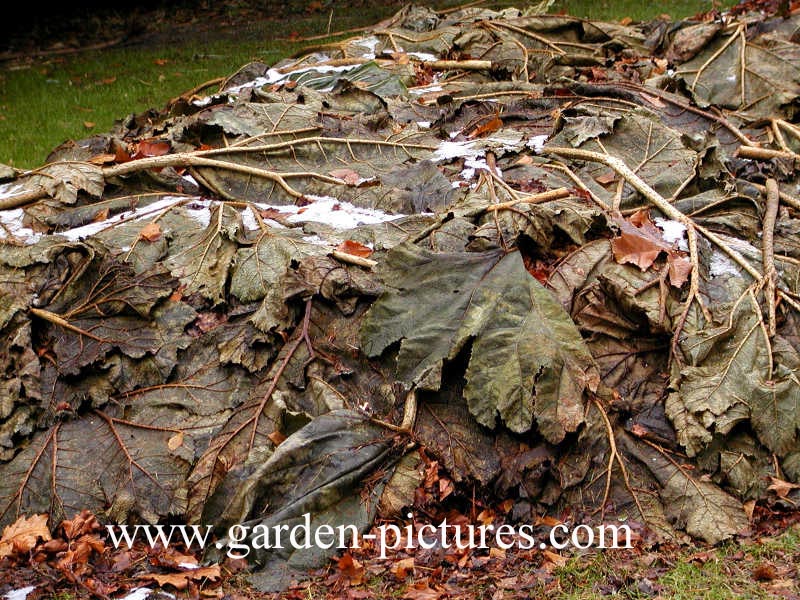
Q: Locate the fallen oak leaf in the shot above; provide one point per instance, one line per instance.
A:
(23, 534)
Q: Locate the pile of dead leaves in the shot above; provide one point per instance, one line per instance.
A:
(79, 557)
(556, 258)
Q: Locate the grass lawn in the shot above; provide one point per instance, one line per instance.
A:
(46, 101)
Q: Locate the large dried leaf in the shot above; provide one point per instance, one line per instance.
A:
(728, 379)
(63, 181)
(202, 258)
(527, 358)
(758, 77)
(91, 463)
(653, 151)
(692, 503)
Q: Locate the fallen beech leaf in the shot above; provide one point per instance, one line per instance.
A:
(103, 159)
(81, 524)
(89, 124)
(349, 176)
(680, 267)
(639, 241)
(180, 581)
(101, 216)
(175, 442)
(781, 487)
(21, 536)
(150, 232)
(151, 147)
(403, 568)
(554, 558)
(490, 126)
(421, 591)
(350, 567)
(277, 437)
(354, 248)
(606, 178)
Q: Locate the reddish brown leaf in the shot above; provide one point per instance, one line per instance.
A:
(180, 581)
(403, 568)
(151, 147)
(277, 437)
(354, 248)
(352, 569)
(349, 176)
(489, 127)
(639, 241)
(22, 535)
(101, 216)
(422, 591)
(84, 523)
(781, 487)
(606, 178)
(103, 159)
(680, 267)
(175, 442)
(150, 232)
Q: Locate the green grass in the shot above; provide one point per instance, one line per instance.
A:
(49, 101)
(726, 573)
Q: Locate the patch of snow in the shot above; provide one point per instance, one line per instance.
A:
(20, 594)
(12, 221)
(471, 165)
(10, 189)
(423, 56)
(371, 44)
(188, 566)
(316, 240)
(424, 124)
(190, 179)
(671, 231)
(205, 101)
(720, 265)
(419, 91)
(143, 593)
(200, 211)
(537, 142)
(336, 213)
(731, 78)
(448, 150)
(84, 231)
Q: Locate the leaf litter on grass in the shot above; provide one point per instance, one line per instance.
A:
(467, 257)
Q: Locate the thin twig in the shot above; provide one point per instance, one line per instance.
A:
(614, 455)
(768, 251)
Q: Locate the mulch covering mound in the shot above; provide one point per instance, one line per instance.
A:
(556, 259)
